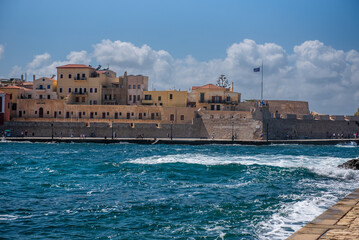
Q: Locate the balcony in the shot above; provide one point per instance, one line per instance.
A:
(80, 78)
(219, 102)
(147, 102)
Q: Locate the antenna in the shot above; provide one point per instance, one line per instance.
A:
(53, 75)
(98, 68)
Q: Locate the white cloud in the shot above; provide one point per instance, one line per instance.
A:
(2, 49)
(326, 77)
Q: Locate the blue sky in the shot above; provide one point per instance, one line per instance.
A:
(166, 39)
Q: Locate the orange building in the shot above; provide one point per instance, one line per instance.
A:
(4, 107)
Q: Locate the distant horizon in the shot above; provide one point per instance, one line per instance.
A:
(310, 49)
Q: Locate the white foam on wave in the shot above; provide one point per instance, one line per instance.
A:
(322, 165)
(294, 215)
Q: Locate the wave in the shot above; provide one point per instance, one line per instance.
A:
(321, 165)
(294, 215)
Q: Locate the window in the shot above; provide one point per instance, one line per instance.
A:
(90, 102)
(148, 97)
(40, 87)
(134, 86)
(83, 76)
(172, 117)
(95, 90)
(14, 106)
(90, 90)
(67, 114)
(129, 86)
(78, 77)
(77, 99)
(70, 76)
(48, 96)
(138, 86)
(156, 114)
(94, 102)
(103, 115)
(48, 86)
(138, 97)
(201, 98)
(69, 90)
(182, 117)
(84, 90)
(40, 96)
(43, 79)
(83, 99)
(171, 96)
(228, 99)
(132, 114)
(130, 97)
(48, 112)
(60, 90)
(59, 112)
(120, 113)
(108, 113)
(105, 97)
(61, 75)
(35, 112)
(159, 98)
(75, 90)
(10, 95)
(29, 96)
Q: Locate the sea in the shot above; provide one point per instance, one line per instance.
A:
(133, 191)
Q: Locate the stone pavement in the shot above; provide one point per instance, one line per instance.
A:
(339, 222)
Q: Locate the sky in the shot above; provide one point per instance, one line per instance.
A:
(309, 49)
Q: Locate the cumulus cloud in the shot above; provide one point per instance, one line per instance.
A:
(41, 65)
(2, 49)
(326, 77)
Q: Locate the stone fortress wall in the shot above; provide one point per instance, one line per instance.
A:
(278, 119)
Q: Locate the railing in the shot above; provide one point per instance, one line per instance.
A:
(80, 78)
(216, 101)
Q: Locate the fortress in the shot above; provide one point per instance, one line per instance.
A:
(95, 102)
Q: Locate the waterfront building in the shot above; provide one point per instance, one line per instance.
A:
(15, 93)
(212, 97)
(4, 107)
(83, 84)
(43, 88)
(169, 98)
(136, 85)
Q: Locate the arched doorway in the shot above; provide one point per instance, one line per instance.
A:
(41, 112)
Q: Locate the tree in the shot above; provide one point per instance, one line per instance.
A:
(222, 82)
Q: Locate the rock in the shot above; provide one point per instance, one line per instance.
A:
(351, 164)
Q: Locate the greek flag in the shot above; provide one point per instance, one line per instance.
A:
(258, 69)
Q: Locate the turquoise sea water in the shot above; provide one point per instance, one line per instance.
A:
(128, 191)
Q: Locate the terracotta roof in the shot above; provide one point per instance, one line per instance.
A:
(102, 71)
(211, 86)
(75, 66)
(11, 87)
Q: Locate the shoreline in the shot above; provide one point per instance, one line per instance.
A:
(182, 141)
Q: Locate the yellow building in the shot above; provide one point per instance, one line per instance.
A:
(82, 84)
(43, 88)
(212, 97)
(15, 93)
(169, 98)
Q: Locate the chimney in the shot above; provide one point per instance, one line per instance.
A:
(33, 77)
(232, 87)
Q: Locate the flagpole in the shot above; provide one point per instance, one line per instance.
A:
(262, 83)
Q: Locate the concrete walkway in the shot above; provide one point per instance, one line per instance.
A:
(339, 222)
(185, 141)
